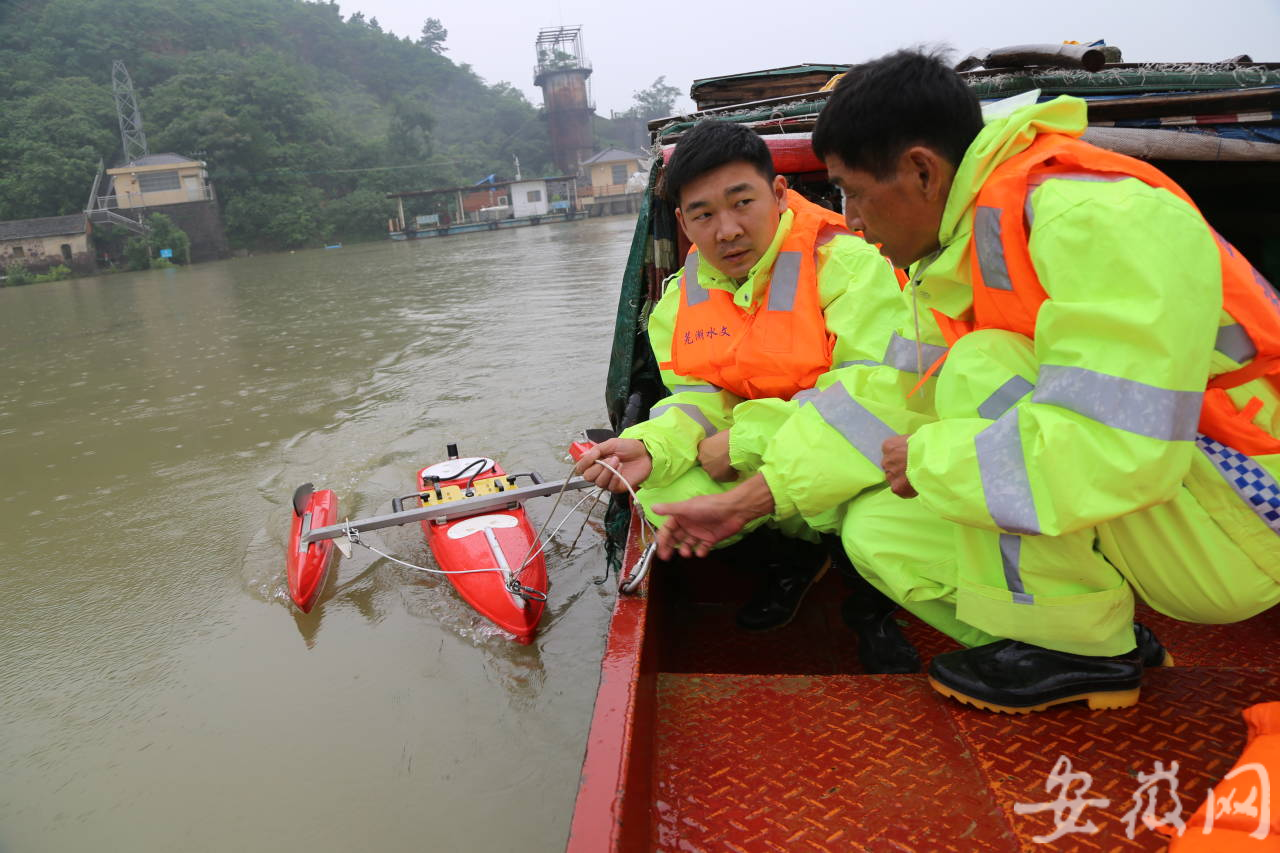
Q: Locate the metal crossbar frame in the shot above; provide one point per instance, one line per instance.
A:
(445, 511)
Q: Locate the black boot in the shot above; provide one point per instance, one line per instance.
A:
(791, 567)
(1151, 651)
(1017, 678)
(882, 648)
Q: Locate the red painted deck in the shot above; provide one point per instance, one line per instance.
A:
(775, 741)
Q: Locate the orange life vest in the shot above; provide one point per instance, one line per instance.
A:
(1007, 293)
(1241, 813)
(783, 346)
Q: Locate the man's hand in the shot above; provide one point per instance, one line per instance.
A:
(894, 463)
(694, 526)
(713, 456)
(627, 455)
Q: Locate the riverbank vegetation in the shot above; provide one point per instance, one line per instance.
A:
(306, 119)
(144, 251)
(16, 273)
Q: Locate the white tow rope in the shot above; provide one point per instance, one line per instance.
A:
(538, 545)
(631, 584)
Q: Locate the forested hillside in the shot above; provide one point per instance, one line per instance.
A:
(305, 119)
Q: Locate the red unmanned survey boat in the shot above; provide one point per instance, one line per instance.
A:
(494, 559)
(472, 513)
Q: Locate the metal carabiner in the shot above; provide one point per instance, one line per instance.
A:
(628, 586)
(528, 593)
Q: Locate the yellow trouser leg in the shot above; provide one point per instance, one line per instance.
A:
(908, 554)
(1056, 592)
(1074, 593)
(1182, 562)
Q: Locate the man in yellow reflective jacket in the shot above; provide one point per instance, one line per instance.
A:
(1051, 475)
(776, 297)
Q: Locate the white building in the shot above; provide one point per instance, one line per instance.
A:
(529, 198)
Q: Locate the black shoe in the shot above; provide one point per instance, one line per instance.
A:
(882, 648)
(1017, 678)
(1151, 651)
(788, 578)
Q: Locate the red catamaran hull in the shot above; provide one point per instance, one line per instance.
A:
(308, 567)
(463, 546)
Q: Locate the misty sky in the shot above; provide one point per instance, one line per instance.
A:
(631, 44)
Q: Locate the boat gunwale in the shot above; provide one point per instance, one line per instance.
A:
(611, 810)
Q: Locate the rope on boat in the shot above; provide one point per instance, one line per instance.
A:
(536, 544)
(354, 537)
(596, 495)
(513, 585)
(540, 545)
(628, 585)
(631, 584)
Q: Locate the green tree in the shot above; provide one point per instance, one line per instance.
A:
(305, 119)
(165, 234)
(141, 251)
(433, 36)
(362, 214)
(656, 101)
(50, 144)
(16, 273)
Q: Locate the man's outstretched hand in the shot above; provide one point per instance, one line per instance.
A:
(627, 455)
(693, 527)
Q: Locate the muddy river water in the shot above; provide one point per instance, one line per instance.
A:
(157, 690)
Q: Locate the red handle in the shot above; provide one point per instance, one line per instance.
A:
(580, 447)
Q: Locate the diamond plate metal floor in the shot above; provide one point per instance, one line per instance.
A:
(823, 758)
(844, 762)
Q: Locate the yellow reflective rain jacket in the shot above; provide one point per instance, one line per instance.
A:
(861, 304)
(1133, 313)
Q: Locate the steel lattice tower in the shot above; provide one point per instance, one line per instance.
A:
(131, 135)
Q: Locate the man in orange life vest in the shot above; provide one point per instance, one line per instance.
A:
(1106, 420)
(774, 298)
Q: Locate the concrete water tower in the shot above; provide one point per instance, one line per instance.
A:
(562, 73)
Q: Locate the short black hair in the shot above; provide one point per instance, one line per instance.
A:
(883, 107)
(708, 145)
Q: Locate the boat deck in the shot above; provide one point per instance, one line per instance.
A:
(777, 741)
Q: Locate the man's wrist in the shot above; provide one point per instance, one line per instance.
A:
(753, 498)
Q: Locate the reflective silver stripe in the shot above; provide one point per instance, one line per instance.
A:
(689, 409)
(1003, 398)
(1253, 483)
(855, 422)
(864, 362)
(1005, 482)
(1234, 342)
(806, 395)
(986, 236)
(696, 389)
(1035, 183)
(784, 281)
(1011, 559)
(694, 293)
(1121, 403)
(902, 354)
